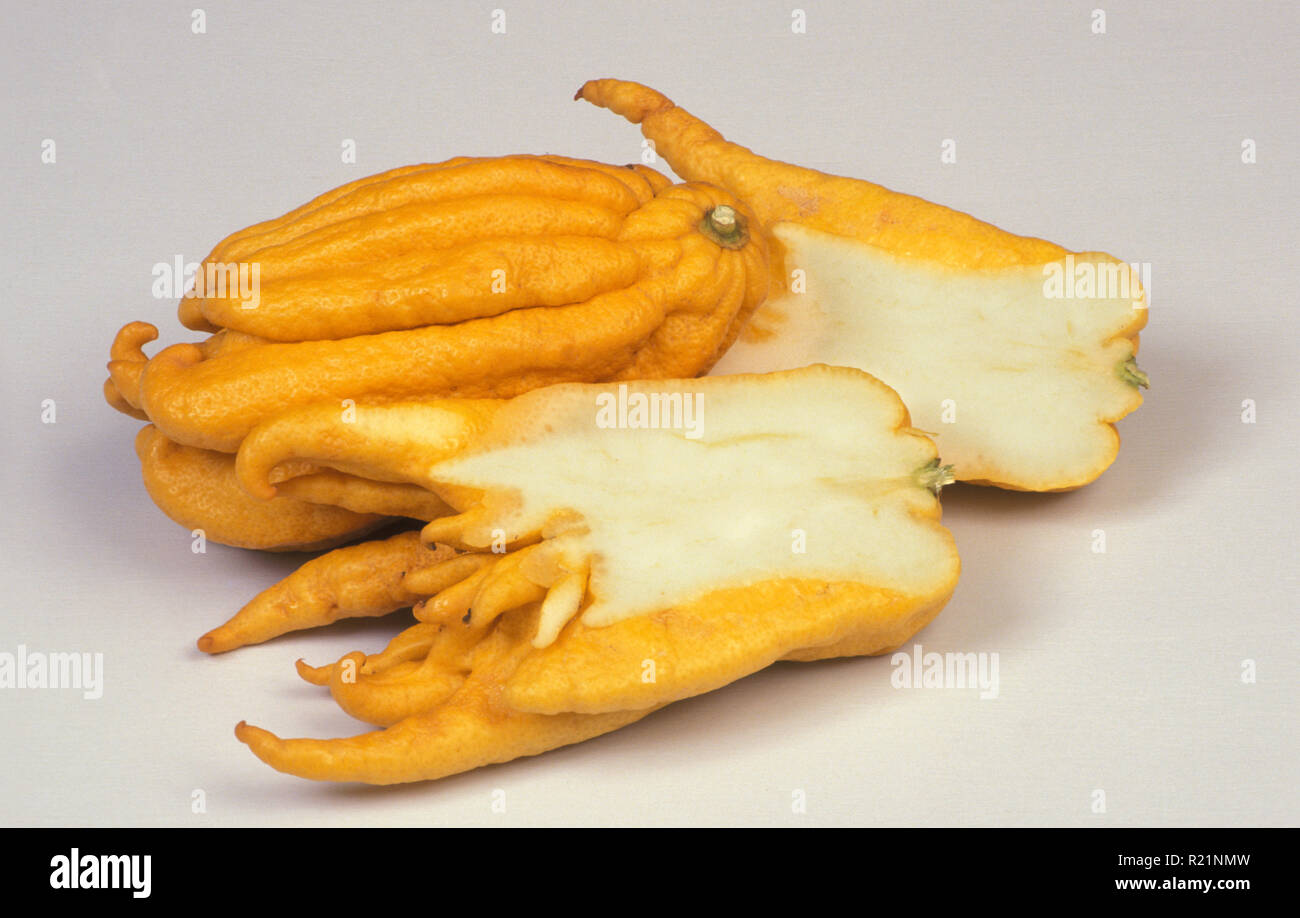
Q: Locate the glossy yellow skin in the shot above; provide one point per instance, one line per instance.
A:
(414, 247)
(198, 489)
(471, 728)
(357, 581)
(777, 191)
(316, 509)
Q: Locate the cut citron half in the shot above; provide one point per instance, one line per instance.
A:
(1015, 353)
(642, 542)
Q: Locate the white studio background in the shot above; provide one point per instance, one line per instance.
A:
(1119, 671)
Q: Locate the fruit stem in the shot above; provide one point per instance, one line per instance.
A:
(725, 227)
(933, 477)
(1129, 372)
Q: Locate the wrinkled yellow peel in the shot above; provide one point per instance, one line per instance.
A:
(1018, 383)
(721, 637)
(806, 475)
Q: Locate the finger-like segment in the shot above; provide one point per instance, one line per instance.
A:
(410, 645)
(450, 530)
(227, 341)
(316, 675)
(190, 314)
(448, 740)
(325, 487)
(506, 587)
(702, 645)
(658, 327)
(369, 202)
(127, 361)
(780, 191)
(561, 605)
(430, 581)
(357, 581)
(256, 236)
(474, 530)
(125, 377)
(422, 666)
(130, 340)
(198, 489)
(469, 730)
(362, 495)
(216, 403)
(384, 698)
(455, 603)
(644, 181)
(114, 397)
(393, 443)
(481, 278)
(406, 230)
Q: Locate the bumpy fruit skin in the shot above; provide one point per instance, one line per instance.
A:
(475, 277)
(198, 489)
(414, 247)
(315, 509)
(356, 581)
(623, 546)
(900, 223)
(1020, 385)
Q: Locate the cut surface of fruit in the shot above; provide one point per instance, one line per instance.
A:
(642, 542)
(720, 495)
(1019, 383)
(655, 492)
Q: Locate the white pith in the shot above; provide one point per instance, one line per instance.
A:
(662, 518)
(1017, 386)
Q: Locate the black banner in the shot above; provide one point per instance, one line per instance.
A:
(334, 866)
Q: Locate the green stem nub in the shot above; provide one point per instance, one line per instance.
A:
(932, 476)
(725, 227)
(1129, 372)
